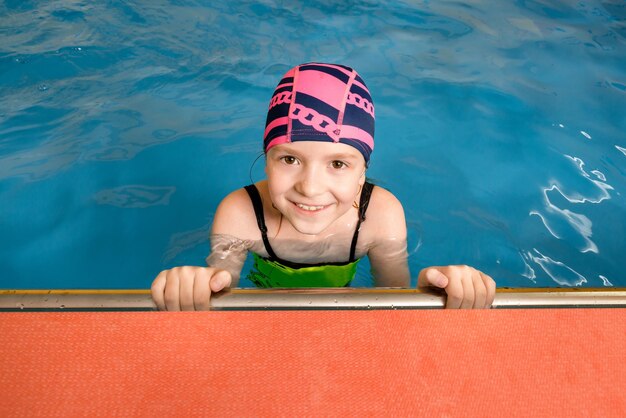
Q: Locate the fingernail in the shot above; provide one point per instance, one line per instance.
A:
(220, 282)
(441, 282)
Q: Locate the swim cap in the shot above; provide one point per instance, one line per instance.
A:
(321, 102)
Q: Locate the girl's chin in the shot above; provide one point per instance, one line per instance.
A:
(309, 229)
(309, 225)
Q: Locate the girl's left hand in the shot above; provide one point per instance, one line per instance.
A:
(465, 286)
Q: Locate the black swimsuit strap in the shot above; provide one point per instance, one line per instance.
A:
(366, 193)
(257, 203)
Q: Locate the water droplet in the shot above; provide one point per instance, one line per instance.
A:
(42, 87)
(21, 306)
(62, 306)
(335, 300)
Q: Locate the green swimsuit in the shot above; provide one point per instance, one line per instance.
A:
(276, 272)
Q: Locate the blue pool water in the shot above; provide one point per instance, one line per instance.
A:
(500, 126)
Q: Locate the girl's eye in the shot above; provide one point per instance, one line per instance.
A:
(338, 164)
(289, 159)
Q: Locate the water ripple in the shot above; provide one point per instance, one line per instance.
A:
(135, 196)
(560, 221)
(556, 270)
(184, 241)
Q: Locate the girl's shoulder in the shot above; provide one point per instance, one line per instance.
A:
(235, 216)
(385, 215)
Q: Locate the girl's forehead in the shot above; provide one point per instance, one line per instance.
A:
(322, 150)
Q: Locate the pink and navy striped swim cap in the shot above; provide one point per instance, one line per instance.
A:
(321, 102)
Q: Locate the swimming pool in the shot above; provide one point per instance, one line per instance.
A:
(122, 126)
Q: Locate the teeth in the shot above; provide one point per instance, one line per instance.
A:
(311, 208)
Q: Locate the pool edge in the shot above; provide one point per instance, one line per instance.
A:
(306, 299)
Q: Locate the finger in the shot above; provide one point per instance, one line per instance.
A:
(468, 288)
(172, 303)
(158, 289)
(201, 290)
(186, 280)
(436, 278)
(490, 284)
(220, 280)
(480, 290)
(454, 290)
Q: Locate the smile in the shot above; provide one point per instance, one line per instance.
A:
(309, 208)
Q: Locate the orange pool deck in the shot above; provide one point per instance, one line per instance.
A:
(510, 362)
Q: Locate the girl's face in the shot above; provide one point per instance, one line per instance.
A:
(313, 184)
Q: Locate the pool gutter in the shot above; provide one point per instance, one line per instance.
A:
(307, 299)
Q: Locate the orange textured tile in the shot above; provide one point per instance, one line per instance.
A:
(562, 362)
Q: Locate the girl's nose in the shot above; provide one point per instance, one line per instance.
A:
(310, 183)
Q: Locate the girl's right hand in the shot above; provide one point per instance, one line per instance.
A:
(188, 288)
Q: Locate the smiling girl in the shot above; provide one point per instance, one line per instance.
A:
(315, 216)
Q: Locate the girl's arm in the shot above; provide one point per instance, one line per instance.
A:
(388, 248)
(234, 227)
(465, 287)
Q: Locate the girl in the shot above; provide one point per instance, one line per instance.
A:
(315, 215)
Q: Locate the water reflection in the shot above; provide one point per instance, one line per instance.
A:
(565, 224)
(605, 281)
(558, 221)
(184, 241)
(135, 196)
(556, 270)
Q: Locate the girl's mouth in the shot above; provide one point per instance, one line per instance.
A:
(310, 208)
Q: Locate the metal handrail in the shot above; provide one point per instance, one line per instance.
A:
(308, 299)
